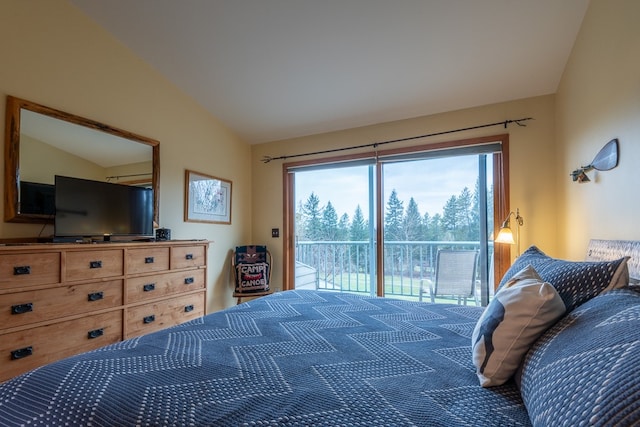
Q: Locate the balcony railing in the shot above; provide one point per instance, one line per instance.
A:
(348, 266)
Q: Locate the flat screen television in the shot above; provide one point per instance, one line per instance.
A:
(90, 209)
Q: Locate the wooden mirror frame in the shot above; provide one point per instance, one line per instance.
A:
(12, 156)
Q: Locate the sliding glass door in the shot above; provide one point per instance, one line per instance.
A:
(334, 223)
(432, 205)
(376, 225)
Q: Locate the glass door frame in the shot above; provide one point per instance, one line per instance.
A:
(502, 253)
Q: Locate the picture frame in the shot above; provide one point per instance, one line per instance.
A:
(206, 198)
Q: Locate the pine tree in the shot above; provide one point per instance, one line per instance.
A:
(412, 222)
(425, 232)
(359, 230)
(436, 228)
(300, 221)
(329, 222)
(393, 218)
(474, 232)
(450, 218)
(311, 218)
(464, 215)
(343, 228)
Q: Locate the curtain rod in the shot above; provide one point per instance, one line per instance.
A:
(505, 123)
(127, 176)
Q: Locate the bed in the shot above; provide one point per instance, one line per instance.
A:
(330, 358)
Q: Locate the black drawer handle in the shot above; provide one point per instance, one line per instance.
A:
(149, 287)
(149, 319)
(188, 256)
(20, 353)
(188, 280)
(148, 260)
(95, 264)
(22, 269)
(22, 308)
(188, 308)
(95, 296)
(95, 333)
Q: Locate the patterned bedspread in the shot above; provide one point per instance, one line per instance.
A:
(292, 358)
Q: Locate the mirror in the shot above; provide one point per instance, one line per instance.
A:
(41, 142)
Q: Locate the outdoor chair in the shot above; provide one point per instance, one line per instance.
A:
(251, 270)
(455, 276)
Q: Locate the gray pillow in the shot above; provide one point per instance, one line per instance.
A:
(575, 281)
(585, 370)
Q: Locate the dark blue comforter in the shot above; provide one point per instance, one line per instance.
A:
(292, 358)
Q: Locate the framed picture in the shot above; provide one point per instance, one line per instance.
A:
(207, 198)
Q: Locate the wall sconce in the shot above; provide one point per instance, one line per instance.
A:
(606, 159)
(505, 235)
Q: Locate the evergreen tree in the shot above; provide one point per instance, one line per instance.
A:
(464, 215)
(359, 230)
(412, 223)
(393, 218)
(300, 222)
(437, 228)
(474, 232)
(311, 218)
(426, 227)
(329, 223)
(343, 228)
(450, 218)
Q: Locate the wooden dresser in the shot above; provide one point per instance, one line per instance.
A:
(57, 300)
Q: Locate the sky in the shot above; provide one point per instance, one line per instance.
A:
(430, 182)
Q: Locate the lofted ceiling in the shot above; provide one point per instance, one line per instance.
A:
(279, 69)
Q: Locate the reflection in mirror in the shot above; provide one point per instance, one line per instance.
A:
(42, 142)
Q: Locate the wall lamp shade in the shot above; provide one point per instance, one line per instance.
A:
(606, 159)
(505, 235)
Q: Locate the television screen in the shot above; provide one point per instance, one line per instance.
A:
(37, 198)
(86, 208)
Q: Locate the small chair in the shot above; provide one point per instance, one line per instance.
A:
(455, 276)
(252, 271)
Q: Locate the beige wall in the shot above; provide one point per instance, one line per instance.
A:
(599, 99)
(532, 164)
(40, 162)
(53, 55)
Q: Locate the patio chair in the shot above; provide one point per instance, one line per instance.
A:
(455, 276)
(251, 270)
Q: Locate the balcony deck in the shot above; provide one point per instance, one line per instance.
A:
(345, 266)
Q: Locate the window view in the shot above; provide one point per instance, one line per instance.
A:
(431, 206)
(334, 229)
(433, 215)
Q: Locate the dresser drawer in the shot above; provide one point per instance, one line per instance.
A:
(147, 260)
(152, 317)
(91, 264)
(160, 285)
(187, 256)
(18, 270)
(21, 351)
(23, 308)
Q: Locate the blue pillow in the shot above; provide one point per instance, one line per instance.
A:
(575, 281)
(585, 370)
